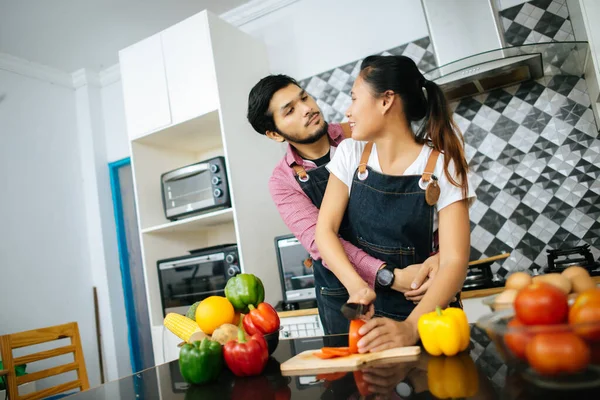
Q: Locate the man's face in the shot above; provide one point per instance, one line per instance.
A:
(297, 116)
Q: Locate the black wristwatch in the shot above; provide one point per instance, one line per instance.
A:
(385, 277)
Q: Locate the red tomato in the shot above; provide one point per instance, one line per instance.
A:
(556, 353)
(516, 339)
(586, 321)
(541, 304)
(590, 296)
(585, 315)
(353, 335)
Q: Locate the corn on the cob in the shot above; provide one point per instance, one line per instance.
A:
(181, 326)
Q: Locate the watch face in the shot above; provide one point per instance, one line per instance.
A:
(384, 277)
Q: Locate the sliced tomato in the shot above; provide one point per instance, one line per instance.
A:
(336, 351)
(323, 356)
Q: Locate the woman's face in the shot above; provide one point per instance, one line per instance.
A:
(364, 114)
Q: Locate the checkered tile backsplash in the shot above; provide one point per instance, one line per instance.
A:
(537, 21)
(534, 153)
(533, 150)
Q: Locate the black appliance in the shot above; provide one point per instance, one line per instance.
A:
(480, 276)
(562, 258)
(195, 189)
(187, 279)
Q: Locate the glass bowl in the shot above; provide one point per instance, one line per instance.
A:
(490, 302)
(512, 340)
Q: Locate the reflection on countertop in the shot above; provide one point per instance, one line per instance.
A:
(479, 373)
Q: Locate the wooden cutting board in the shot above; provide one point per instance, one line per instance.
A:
(306, 363)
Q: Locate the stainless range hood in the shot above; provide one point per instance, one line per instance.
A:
(468, 43)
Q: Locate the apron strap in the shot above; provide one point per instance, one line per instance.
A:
(364, 158)
(346, 130)
(300, 172)
(433, 157)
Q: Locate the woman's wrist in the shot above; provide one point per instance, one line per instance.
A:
(401, 281)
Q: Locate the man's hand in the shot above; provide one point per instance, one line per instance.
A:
(385, 333)
(415, 279)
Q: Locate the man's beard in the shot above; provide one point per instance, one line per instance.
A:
(308, 140)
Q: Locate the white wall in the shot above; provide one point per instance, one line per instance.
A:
(45, 276)
(117, 144)
(100, 225)
(312, 36)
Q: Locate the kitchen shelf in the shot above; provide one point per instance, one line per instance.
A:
(199, 134)
(194, 224)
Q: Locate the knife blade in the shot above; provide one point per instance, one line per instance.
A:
(354, 310)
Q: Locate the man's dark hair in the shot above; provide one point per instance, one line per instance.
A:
(259, 98)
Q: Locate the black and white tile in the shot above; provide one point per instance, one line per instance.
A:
(332, 88)
(537, 21)
(537, 166)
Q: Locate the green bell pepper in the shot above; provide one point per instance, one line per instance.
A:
(243, 290)
(201, 362)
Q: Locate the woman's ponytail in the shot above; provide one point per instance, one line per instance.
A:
(445, 135)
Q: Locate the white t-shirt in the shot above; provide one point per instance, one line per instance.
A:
(347, 157)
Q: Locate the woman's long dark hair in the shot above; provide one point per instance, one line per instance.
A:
(401, 75)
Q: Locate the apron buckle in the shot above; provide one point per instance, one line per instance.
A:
(363, 172)
(304, 178)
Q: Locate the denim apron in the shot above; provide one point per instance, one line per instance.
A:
(389, 218)
(330, 292)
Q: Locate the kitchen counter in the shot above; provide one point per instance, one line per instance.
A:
(479, 374)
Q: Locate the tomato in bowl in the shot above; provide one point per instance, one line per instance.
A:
(547, 340)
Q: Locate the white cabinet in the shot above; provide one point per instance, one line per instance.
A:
(190, 69)
(186, 92)
(169, 78)
(144, 87)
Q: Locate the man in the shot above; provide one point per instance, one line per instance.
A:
(281, 110)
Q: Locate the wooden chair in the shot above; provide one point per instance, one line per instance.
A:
(37, 336)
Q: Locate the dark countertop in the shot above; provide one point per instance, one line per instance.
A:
(488, 379)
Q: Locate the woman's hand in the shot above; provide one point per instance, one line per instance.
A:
(385, 333)
(415, 279)
(366, 296)
(383, 379)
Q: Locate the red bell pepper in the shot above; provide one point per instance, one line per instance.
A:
(246, 358)
(262, 319)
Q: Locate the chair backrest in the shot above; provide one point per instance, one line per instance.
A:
(37, 336)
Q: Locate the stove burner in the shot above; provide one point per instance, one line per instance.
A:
(480, 276)
(561, 259)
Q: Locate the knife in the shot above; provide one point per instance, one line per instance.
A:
(354, 310)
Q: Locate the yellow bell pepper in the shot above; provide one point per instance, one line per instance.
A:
(444, 331)
(452, 377)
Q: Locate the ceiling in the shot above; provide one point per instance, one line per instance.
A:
(73, 34)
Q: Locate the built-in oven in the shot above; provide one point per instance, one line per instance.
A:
(194, 277)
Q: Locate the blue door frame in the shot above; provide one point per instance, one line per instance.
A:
(134, 345)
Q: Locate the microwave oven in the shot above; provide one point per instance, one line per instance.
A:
(195, 189)
(203, 273)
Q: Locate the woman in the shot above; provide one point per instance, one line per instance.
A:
(400, 192)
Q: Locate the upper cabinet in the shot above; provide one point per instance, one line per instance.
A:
(145, 92)
(169, 78)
